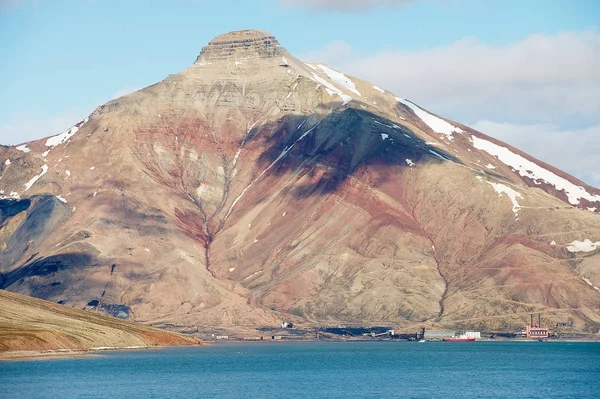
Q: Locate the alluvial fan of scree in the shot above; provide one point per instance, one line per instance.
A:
(252, 188)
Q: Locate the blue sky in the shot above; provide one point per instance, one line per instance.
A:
(536, 84)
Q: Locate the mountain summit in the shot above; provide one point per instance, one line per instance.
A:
(253, 188)
(240, 45)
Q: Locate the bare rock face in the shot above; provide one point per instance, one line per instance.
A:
(253, 188)
(242, 45)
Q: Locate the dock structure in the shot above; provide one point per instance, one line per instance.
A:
(438, 335)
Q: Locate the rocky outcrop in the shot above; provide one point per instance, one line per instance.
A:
(241, 45)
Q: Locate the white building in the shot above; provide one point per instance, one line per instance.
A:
(473, 334)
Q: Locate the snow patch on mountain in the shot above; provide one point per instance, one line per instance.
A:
(12, 195)
(535, 172)
(23, 148)
(340, 79)
(510, 193)
(436, 124)
(64, 136)
(379, 89)
(588, 282)
(583, 246)
(331, 89)
(35, 178)
(7, 162)
(437, 154)
(392, 126)
(253, 274)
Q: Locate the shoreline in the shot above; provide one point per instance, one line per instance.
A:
(13, 356)
(58, 354)
(283, 341)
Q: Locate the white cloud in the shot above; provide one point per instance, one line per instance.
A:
(347, 5)
(335, 52)
(574, 151)
(539, 78)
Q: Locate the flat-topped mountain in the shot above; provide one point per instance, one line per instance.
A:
(253, 188)
(246, 44)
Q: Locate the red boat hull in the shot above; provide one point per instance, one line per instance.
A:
(458, 339)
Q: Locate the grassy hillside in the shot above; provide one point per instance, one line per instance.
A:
(28, 323)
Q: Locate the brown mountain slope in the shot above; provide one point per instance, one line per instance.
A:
(253, 188)
(28, 323)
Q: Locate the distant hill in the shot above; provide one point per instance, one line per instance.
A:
(28, 324)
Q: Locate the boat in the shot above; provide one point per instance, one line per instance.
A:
(458, 339)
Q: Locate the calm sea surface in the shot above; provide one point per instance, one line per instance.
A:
(318, 370)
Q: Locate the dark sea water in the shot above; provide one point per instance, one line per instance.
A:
(318, 370)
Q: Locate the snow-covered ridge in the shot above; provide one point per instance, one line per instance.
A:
(61, 138)
(336, 83)
(436, 124)
(331, 89)
(583, 246)
(339, 79)
(64, 136)
(534, 171)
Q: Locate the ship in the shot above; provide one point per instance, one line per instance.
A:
(468, 336)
